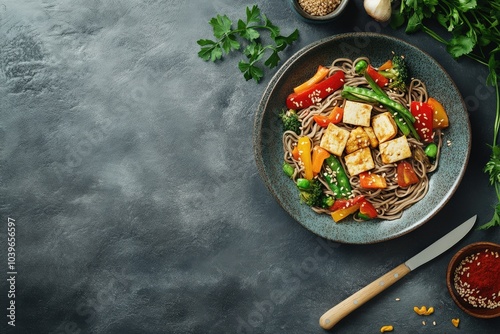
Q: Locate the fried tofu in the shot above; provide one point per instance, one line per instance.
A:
(395, 150)
(384, 126)
(334, 139)
(359, 161)
(371, 136)
(358, 139)
(357, 113)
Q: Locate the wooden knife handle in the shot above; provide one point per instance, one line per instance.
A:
(339, 311)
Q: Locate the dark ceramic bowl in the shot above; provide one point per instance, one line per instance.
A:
(474, 248)
(268, 149)
(318, 19)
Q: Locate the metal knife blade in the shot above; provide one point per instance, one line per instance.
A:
(442, 245)
(338, 312)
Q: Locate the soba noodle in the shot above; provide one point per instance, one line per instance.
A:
(391, 201)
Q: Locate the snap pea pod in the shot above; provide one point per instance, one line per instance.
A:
(339, 181)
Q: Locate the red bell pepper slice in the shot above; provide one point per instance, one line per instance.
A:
(379, 79)
(423, 120)
(335, 117)
(367, 209)
(342, 203)
(406, 174)
(351, 205)
(316, 93)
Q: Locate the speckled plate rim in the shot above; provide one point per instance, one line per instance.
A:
(267, 137)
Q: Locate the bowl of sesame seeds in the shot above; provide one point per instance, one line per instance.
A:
(473, 279)
(318, 11)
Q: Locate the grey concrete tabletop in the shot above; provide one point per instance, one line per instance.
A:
(127, 173)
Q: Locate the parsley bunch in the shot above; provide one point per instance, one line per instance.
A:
(473, 30)
(230, 39)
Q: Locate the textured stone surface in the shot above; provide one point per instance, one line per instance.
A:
(127, 164)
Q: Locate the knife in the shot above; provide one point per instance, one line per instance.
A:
(338, 312)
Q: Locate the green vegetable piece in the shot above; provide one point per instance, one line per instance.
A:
(290, 121)
(431, 150)
(360, 67)
(303, 184)
(398, 73)
(363, 216)
(338, 181)
(312, 194)
(327, 201)
(288, 170)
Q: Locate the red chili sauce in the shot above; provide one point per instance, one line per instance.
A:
(477, 279)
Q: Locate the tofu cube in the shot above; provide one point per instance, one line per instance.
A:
(357, 113)
(371, 136)
(359, 161)
(334, 139)
(358, 139)
(395, 150)
(384, 126)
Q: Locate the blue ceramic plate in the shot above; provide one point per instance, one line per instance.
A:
(268, 131)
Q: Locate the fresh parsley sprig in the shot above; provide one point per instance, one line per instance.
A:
(246, 37)
(473, 28)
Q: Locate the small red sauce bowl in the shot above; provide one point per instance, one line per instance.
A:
(456, 261)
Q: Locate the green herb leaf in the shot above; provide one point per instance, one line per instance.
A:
(273, 60)
(493, 165)
(414, 23)
(397, 19)
(495, 220)
(274, 30)
(492, 79)
(465, 5)
(250, 71)
(221, 26)
(460, 45)
(253, 14)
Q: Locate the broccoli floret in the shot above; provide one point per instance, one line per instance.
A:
(327, 201)
(398, 73)
(311, 192)
(290, 121)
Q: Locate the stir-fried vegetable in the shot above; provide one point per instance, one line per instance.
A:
(338, 179)
(290, 120)
(318, 157)
(423, 120)
(311, 192)
(335, 117)
(304, 146)
(316, 93)
(397, 74)
(406, 174)
(320, 74)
